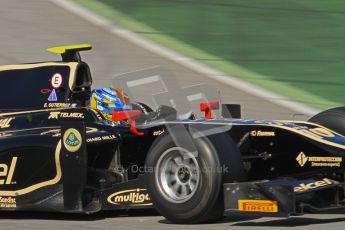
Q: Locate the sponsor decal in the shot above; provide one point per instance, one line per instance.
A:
(302, 159)
(315, 133)
(72, 140)
(316, 161)
(257, 205)
(8, 202)
(57, 115)
(56, 81)
(52, 96)
(6, 172)
(6, 122)
(57, 105)
(259, 133)
(158, 132)
(134, 197)
(102, 138)
(313, 185)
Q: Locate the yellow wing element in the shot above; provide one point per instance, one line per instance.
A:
(64, 49)
(70, 53)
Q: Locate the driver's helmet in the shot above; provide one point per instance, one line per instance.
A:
(107, 100)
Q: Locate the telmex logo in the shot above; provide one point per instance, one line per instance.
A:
(313, 185)
(258, 205)
(57, 115)
(6, 173)
(133, 196)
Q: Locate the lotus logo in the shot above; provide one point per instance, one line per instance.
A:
(72, 140)
(134, 197)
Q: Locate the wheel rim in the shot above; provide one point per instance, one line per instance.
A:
(177, 174)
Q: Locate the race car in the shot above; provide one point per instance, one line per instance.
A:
(59, 153)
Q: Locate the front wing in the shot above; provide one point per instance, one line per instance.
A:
(283, 197)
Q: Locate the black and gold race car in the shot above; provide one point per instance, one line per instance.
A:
(58, 154)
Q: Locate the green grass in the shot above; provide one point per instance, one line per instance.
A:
(292, 47)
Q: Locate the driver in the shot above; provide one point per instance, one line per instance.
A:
(107, 100)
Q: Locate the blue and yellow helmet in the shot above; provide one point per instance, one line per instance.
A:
(107, 100)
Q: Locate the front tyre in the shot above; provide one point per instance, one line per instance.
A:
(186, 187)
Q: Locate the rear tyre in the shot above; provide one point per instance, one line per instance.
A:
(333, 119)
(185, 187)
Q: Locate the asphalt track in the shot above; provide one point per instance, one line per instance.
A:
(28, 27)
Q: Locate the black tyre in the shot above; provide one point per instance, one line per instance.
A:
(333, 119)
(186, 188)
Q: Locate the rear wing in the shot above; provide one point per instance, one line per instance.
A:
(70, 53)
